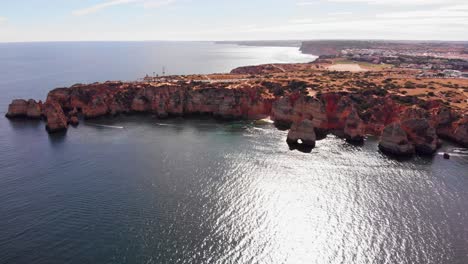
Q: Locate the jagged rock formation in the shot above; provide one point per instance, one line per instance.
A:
(56, 119)
(460, 134)
(404, 129)
(422, 135)
(384, 112)
(414, 112)
(354, 129)
(295, 108)
(394, 140)
(451, 125)
(443, 120)
(22, 108)
(303, 131)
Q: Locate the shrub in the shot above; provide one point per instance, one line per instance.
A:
(278, 91)
(295, 85)
(410, 85)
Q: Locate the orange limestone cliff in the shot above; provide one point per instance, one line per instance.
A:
(404, 129)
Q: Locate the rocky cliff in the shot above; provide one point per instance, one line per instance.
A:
(403, 129)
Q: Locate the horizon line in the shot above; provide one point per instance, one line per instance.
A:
(239, 40)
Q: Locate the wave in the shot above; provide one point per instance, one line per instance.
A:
(453, 154)
(163, 124)
(106, 126)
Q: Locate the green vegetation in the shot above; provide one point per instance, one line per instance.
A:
(410, 85)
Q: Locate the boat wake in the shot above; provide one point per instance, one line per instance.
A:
(106, 126)
(454, 154)
(162, 124)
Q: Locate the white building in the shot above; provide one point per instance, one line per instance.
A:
(452, 73)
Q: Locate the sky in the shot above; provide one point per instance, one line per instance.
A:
(133, 20)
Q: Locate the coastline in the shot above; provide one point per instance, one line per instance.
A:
(278, 91)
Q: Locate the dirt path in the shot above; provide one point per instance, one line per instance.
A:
(278, 67)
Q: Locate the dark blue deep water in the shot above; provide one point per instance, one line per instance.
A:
(141, 190)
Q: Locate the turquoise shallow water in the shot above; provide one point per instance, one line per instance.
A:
(137, 189)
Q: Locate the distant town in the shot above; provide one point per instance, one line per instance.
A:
(433, 59)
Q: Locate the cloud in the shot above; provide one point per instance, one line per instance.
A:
(306, 3)
(457, 7)
(111, 3)
(156, 4)
(453, 15)
(388, 2)
(341, 13)
(428, 13)
(3, 20)
(455, 11)
(370, 25)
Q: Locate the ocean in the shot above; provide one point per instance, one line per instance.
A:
(135, 189)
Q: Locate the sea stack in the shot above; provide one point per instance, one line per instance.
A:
(394, 140)
(26, 109)
(303, 131)
(56, 119)
(422, 135)
(354, 128)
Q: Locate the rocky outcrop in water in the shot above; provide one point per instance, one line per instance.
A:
(422, 135)
(450, 125)
(354, 128)
(303, 131)
(394, 140)
(295, 108)
(404, 129)
(460, 134)
(443, 120)
(112, 98)
(22, 108)
(55, 117)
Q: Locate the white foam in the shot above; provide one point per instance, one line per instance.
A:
(453, 154)
(162, 124)
(107, 126)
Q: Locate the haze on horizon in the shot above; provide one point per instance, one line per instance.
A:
(106, 20)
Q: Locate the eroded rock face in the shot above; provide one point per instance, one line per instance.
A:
(303, 131)
(460, 134)
(56, 119)
(354, 128)
(346, 114)
(23, 108)
(383, 113)
(34, 109)
(422, 135)
(17, 108)
(74, 121)
(311, 108)
(394, 140)
(294, 109)
(337, 109)
(283, 112)
(414, 113)
(443, 119)
(73, 117)
(61, 96)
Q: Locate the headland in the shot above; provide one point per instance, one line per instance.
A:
(409, 112)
